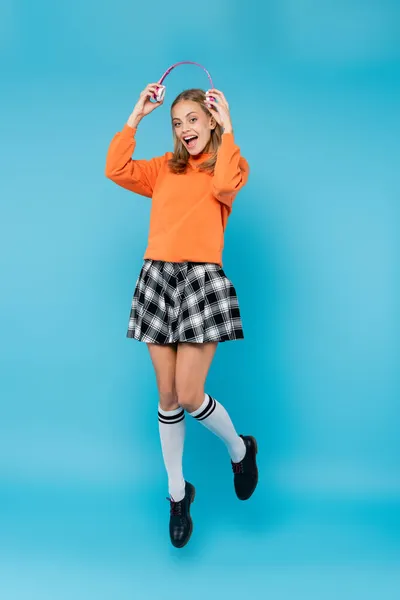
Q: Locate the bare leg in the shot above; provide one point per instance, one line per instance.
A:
(192, 365)
(170, 417)
(163, 358)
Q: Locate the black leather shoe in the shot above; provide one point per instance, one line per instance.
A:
(180, 522)
(246, 471)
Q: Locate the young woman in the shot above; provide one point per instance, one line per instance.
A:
(184, 304)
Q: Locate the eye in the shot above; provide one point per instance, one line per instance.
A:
(176, 124)
(193, 119)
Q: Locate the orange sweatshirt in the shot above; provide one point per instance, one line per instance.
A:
(189, 211)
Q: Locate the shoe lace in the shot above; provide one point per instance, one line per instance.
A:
(175, 507)
(237, 467)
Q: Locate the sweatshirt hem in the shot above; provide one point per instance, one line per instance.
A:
(178, 259)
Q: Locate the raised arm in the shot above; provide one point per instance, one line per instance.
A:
(136, 175)
(231, 171)
(139, 176)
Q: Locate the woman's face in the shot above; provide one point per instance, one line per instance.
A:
(192, 126)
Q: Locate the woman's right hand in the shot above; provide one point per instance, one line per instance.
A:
(144, 106)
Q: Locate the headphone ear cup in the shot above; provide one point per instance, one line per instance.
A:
(160, 93)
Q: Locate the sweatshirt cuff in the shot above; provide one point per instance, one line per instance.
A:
(128, 130)
(228, 139)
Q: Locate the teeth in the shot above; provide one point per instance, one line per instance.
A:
(190, 138)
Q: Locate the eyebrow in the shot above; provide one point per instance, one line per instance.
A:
(189, 113)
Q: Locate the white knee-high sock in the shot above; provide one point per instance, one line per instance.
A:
(214, 416)
(172, 433)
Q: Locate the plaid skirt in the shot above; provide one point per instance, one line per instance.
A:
(184, 302)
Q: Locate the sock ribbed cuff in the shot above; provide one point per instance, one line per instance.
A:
(170, 417)
(206, 409)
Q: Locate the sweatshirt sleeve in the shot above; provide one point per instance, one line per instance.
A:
(138, 176)
(231, 171)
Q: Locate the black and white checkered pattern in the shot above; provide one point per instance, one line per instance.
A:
(184, 302)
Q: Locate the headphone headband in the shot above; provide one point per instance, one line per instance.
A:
(185, 62)
(161, 92)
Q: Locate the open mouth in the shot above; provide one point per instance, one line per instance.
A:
(190, 140)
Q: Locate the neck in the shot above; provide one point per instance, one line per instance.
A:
(207, 151)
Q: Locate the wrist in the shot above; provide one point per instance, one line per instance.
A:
(134, 120)
(228, 128)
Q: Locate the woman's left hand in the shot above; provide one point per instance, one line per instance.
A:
(219, 108)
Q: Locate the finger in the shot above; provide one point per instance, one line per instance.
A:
(150, 89)
(218, 104)
(211, 106)
(217, 94)
(215, 104)
(214, 113)
(152, 95)
(215, 91)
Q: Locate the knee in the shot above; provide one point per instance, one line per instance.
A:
(168, 399)
(190, 400)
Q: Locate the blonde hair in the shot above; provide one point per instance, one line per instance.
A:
(179, 161)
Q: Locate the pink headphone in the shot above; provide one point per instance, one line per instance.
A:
(161, 90)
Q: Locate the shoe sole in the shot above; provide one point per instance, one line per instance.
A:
(191, 521)
(253, 439)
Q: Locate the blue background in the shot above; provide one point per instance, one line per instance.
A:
(312, 247)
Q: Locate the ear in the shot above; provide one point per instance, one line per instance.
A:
(213, 123)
